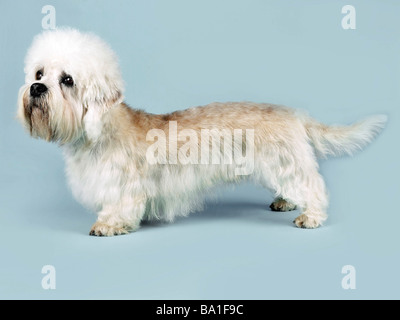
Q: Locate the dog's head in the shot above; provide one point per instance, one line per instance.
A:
(69, 75)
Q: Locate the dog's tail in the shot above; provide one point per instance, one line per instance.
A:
(343, 140)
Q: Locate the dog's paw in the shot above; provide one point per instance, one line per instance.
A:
(282, 205)
(303, 221)
(104, 230)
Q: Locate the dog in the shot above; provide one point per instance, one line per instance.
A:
(128, 165)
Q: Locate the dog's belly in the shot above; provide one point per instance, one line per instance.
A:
(178, 190)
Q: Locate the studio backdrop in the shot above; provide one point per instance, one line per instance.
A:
(338, 61)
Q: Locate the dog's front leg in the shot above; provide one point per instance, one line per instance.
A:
(120, 218)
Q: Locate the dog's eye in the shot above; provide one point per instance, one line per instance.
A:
(68, 81)
(39, 75)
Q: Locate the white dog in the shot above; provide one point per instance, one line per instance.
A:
(129, 165)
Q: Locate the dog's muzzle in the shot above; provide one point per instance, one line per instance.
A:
(37, 89)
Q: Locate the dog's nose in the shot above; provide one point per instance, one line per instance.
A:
(37, 89)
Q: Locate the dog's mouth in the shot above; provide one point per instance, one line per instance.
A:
(37, 115)
(48, 118)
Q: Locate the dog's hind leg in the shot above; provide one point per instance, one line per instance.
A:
(309, 195)
(296, 182)
(315, 201)
(282, 205)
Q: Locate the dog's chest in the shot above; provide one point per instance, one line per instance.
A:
(93, 179)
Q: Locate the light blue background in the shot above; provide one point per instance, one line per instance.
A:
(176, 54)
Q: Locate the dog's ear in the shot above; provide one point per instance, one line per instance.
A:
(102, 92)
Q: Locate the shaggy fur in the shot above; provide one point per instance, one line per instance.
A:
(106, 144)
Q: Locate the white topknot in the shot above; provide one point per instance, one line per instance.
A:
(83, 55)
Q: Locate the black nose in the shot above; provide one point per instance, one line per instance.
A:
(37, 89)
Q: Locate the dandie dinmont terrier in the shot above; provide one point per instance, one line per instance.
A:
(129, 165)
